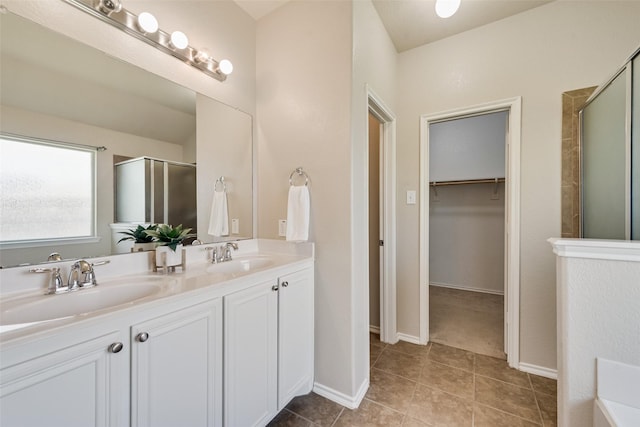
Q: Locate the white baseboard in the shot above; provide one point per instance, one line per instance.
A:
(466, 288)
(374, 329)
(351, 402)
(408, 338)
(539, 370)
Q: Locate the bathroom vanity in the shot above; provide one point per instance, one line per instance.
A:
(216, 344)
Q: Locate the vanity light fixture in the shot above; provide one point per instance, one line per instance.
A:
(147, 23)
(447, 8)
(145, 27)
(179, 40)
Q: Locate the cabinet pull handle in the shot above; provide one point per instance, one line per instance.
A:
(142, 337)
(116, 347)
(285, 284)
(274, 288)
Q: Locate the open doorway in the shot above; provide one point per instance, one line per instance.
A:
(382, 219)
(376, 255)
(495, 199)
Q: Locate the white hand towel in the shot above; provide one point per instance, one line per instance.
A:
(219, 220)
(298, 214)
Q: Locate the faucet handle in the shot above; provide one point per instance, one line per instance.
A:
(56, 285)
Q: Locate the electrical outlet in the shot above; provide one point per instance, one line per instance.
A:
(235, 226)
(282, 227)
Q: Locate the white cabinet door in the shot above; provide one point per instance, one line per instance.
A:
(295, 336)
(176, 368)
(251, 345)
(80, 385)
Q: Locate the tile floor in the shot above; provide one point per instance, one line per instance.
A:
(434, 385)
(469, 320)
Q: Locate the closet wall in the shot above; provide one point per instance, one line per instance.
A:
(466, 221)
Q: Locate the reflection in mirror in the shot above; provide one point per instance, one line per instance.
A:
(56, 88)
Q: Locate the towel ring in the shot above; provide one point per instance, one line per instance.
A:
(220, 181)
(299, 172)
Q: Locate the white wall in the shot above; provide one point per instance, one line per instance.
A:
(538, 54)
(374, 66)
(598, 316)
(312, 112)
(304, 87)
(466, 237)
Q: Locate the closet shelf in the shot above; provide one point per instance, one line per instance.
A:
(467, 181)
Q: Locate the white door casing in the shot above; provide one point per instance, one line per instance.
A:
(512, 220)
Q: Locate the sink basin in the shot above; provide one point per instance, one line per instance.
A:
(241, 265)
(37, 308)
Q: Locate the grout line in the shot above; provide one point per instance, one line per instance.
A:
(536, 400)
(338, 417)
(508, 413)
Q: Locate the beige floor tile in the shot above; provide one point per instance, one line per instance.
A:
(544, 385)
(548, 408)
(317, 409)
(390, 390)
(498, 369)
(289, 419)
(438, 408)
(509, 398)
(410, 348)
(370, 414)
(374, 352)
(473, 321)
(483, 416)
(445, 378)
(402, 364)
(452, 356)
(412, 422)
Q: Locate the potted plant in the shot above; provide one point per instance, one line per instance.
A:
(169, 240)
(141, 240)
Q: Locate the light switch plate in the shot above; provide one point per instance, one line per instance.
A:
(282, 227)
(235, 226)
(411, 197)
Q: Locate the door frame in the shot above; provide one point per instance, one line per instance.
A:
(388, 323)
(512, 220)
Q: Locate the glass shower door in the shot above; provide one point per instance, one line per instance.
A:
(604, 163)
(635, 152)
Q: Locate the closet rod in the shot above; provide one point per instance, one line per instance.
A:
(468, 181)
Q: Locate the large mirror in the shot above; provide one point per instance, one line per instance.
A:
(56, 88)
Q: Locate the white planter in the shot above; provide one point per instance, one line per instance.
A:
(165, 257)
(142, 247)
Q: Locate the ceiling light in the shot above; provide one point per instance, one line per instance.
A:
(225, 67)
(147, 23)
(447, 8)
(179, 40)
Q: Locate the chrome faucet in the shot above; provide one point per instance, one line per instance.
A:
(227, 250)
(81, 275)
(222, 253)
(81, 267)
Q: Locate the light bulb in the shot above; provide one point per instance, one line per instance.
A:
(109, 6)
(447, 8)
(225, 67)
(147, 23)
(201, 57)
(179, 40)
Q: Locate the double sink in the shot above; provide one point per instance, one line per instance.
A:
(19, 311)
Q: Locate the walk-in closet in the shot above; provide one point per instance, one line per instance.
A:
(467, 232)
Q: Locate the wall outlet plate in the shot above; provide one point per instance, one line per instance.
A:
(282, 227)
(235, 226)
